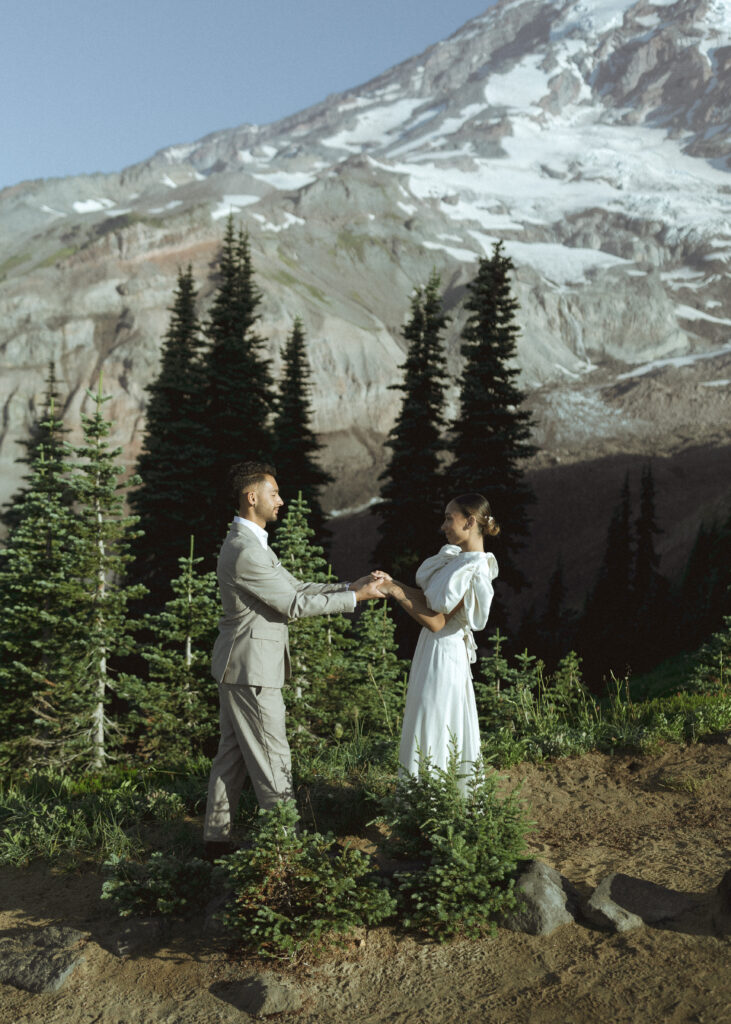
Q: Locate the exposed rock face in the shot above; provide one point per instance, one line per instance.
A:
(592, 137)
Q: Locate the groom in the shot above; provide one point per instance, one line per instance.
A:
(251, 654)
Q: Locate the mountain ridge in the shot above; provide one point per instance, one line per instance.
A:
(591, 138)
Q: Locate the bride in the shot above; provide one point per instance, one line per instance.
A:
(452, 598)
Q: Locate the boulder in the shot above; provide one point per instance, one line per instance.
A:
(621, 903)
(548, 901)
(41, 960)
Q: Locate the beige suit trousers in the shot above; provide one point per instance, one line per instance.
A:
(254, 743)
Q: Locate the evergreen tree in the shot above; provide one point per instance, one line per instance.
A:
(46, 433)
(604, 632)
(175, 709)
(238, 387)
(296, 446)
(376, 695)
(555, 632)
(703, 597)
(318, 644)
(38, 630)
(491, 434)
(650, 589)
(174, 457)
(412, 506)
(73, 710)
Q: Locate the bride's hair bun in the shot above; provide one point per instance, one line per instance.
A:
(478, 506)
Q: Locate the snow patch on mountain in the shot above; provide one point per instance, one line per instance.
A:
(373, 126)
(231, 204)
(288, 221)
(286, 181)
(676, 361)
(522, 87)
(92, 205)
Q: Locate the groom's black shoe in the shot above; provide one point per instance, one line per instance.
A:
(215, 849)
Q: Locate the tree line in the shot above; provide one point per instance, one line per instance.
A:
(634, 616)
(107, 618)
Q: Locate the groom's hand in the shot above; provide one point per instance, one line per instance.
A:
(377, 574)
(369, 591)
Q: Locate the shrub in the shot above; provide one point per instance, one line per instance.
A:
(161, 885)
(471, 843)
(295, 892)
(710, 674)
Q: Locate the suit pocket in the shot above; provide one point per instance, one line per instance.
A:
(265, 631)
(266, 658)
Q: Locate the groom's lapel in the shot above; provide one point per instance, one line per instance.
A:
(249, 537)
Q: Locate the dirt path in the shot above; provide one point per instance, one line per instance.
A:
(665, 819)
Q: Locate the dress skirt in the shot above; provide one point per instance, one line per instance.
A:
(440, 702)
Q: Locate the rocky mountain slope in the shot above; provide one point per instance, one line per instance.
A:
(592, 137)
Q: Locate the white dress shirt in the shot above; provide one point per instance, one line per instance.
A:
(259, 532)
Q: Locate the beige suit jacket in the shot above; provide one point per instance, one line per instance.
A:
(259, 597)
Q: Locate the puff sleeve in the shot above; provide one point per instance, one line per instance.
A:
(451, 575)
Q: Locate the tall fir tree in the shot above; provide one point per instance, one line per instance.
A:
(174, 455)
(318, 645)
(412, 492)
(295, 445)
(650, 590)
(47, 432)
(76, 728)
(39, 633)
(491, 435)
(605, 627)
(555, 625)
(703, 598)
(175, 708)
(239, 388)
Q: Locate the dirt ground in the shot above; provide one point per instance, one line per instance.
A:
(664, 819)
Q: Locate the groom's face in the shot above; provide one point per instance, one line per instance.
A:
(267, 501)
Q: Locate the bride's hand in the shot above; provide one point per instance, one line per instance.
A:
(386, 585)
(373, 577)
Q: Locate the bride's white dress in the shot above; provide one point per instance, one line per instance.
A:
(440, 700)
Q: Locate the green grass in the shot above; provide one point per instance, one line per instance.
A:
(66, 821)
(12, 262)
(297, 284)
(58, 256)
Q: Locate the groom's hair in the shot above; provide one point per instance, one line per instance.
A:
(245, 475)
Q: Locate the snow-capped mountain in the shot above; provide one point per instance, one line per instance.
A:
(593, 137)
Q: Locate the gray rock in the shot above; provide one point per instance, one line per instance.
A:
(621, 903)
(261, 996)
(548, 901)
(41, 960)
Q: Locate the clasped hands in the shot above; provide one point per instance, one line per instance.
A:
(376, 584)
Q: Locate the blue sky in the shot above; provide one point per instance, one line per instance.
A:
(91, 85)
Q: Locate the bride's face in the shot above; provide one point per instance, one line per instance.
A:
(456, 526)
